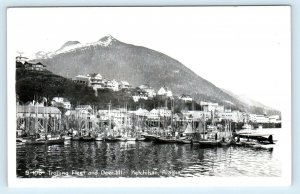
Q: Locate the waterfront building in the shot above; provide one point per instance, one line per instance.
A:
(141, 112)
(37, 111)
(164, 112)
(84, 109)
(262, 119)
(153, 115)
(210, 106)
(196, 115)
(274, 119)
(234, 116)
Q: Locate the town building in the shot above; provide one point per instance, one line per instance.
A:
(113, 85)
(164, 91)
(164, 112)
(150, 91)
(234, 116)
(84, 109)
(34, 66)
(124, 85)
(262, 119)
(210, 106)
(186, 98)
(61, 102)
(153, 115)
(82, 79)
(139, 94)
(24, 111)
(20, 59)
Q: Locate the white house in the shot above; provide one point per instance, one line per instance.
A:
(113, 85)
(61, 100)
(124, 85)
(35, 67)
(186, 98)
(140, 94)
(164, 112)
(150, 91)
(82, 79)
(164, 91)
(153, 114)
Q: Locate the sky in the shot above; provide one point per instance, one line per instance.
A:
(246, 50)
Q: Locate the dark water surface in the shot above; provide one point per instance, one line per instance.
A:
(142, 159)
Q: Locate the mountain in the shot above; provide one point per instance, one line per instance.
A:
(252, 103)
(138, 65)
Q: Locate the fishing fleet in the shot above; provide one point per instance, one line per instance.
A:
(47, 125)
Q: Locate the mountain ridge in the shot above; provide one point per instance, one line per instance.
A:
(138, 65)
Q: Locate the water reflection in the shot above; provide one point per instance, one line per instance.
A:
(142, 159)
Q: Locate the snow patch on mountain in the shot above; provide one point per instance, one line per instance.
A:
(72, 46)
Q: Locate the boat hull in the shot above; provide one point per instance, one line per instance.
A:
(150, 137)
(41, 142)
(209, 143)
(164, 140)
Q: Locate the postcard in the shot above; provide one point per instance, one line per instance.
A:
(149, 96)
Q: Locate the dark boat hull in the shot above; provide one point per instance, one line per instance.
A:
(164, 140)
(209, 144)
(150, 137)
(41, 142)
(183, 141)
(110, 139)
(86, 139)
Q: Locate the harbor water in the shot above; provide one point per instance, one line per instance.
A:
(99, 159)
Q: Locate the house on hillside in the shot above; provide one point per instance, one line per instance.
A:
(81, 79)
(164, 91)
(61, 102)
(186, 98)
(124, 85)
(34, 67)
(113, 85)
(150, 91)
(20, 59)
(139, 94)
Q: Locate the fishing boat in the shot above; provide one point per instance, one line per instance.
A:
(226, 142)
(167, 139)
(121, 138)
(209, 143)
(184, 141)
(110, 139)
(100, 137)
(48, 140)
(140, 139)
(130, 139)
(67, 138)
(75, 138)
(149, 137)
(86, 138)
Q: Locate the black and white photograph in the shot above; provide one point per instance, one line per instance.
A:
(151, 94)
